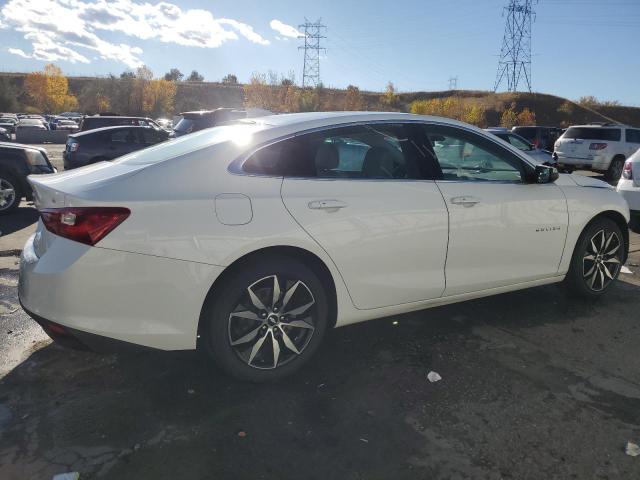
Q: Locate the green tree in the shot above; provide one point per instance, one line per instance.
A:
(230, 79)
(173, 75)
(194, 76)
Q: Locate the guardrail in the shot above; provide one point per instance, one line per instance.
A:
(41, 136)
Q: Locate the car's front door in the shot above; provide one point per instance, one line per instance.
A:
(502, 230)
(364, 199)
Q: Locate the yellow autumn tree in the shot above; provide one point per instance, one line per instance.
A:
(158, 97)
(49, 90)
(509, 118)
(526, 117)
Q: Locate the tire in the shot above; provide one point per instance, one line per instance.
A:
(614, 172)
(251, 340)
(10, 193)
(596, 259)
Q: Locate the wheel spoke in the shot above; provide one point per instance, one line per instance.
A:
(612, 260)
(606, 245)
(288, 343)
(256, 347)
(248, 337)
(276, 291)
(593, 277)
(300, 310)
(613, 250)
(255, 300)
(601, 278)
(593, 267)
(289, 294)
(299, 324)
(246, 314)
(606, 271)
(276, 350)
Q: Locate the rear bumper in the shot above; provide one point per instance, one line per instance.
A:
(96, 292)
(588, 163)
(79, 340)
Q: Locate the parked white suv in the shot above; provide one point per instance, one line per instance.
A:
(602, 148)
(629, 188)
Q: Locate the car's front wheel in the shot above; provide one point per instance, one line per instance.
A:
(267, 320)
(10, 193)
(597, 259)
(614, 172)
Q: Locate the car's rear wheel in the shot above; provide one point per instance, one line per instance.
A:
(615, 169)
(267, 320)
(10, 193)
(597, 259)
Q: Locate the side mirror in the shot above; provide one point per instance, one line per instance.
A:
(545, 174)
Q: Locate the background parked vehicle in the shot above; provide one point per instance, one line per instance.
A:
(601, 148)
(31, 124)
(629, 188)
(541, 137)
(5, 135)
(99, 121)
(538, 155)
(67, 125)
(16, 163)
(9, 123)
(165, 123)
(201, 119)
(108, 143)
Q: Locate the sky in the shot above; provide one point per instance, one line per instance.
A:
(579, 47)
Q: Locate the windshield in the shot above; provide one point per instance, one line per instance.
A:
(591, 133)
(184, 125)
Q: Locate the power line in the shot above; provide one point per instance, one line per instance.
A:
(453, 83)
(311, 66)
(515, 55)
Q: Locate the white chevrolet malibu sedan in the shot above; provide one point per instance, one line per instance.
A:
(251, 240)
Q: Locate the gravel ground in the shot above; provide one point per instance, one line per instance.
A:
(535, 385)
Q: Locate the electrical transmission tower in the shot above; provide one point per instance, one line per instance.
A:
(453, 83)
(515, 56)
(312, 35)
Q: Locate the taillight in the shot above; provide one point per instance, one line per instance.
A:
(73, 146)
(597, 146)
(627, 171)
(86, 225)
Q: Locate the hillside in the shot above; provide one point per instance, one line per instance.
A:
(548, 109)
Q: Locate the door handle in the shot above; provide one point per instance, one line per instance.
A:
(467, 201)
(328, 205)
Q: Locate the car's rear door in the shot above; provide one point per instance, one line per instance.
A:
(502, 230)
(360, 192)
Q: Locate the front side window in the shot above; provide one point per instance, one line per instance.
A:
(466, 156)
(375, 151)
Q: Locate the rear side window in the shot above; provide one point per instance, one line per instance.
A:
(123, 136)
(591, 133)
(375, 151)
(527, 132)
(152, 136)
(633, 136)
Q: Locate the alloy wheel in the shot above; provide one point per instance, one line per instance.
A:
(7, 194)
(273, 322)
(602, 260)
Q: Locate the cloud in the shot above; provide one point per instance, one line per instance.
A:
(285, 30)
(60, 29)
(19, 52)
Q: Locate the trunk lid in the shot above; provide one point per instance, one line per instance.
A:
(67, 188)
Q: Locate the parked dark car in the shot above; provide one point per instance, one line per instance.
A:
(16, 162)
(98, 121)
(9, 123)
(108, 143)
(201, 119)
(5, 135)
(541, 137)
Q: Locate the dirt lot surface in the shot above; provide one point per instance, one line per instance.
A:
(535, 385)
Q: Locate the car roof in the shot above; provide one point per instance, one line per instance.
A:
(116, 116)
(20, 146)
(309, 120)
(112, 128)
